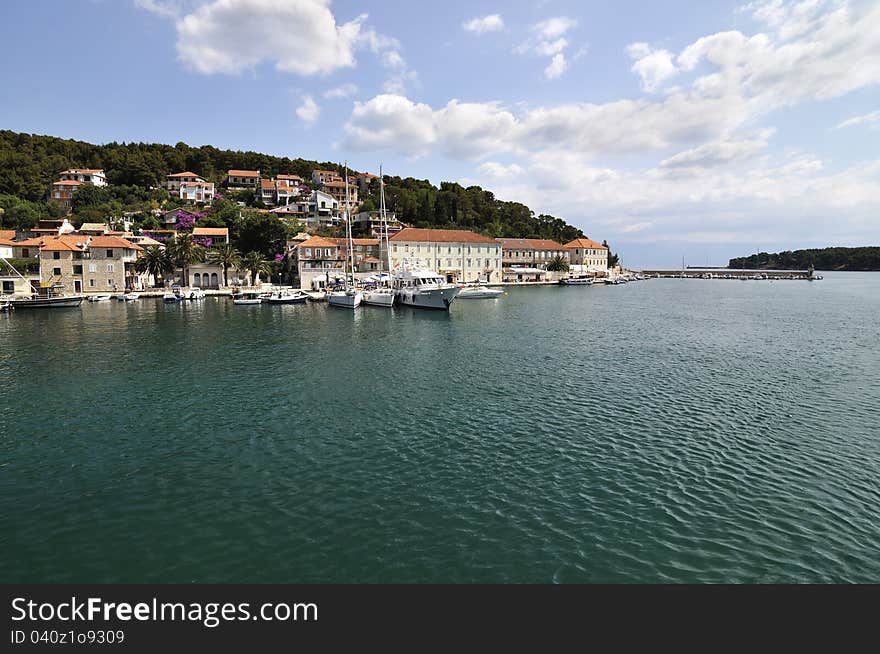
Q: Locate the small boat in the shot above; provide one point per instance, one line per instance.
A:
(196, 294)
(347, 299)
(101, 297)
(576, 281)
(171, 296)
(247, 298)
(128, 297)
(48, 297)
(380, 297)
(288, 297)
(5, 305)
(478, 292)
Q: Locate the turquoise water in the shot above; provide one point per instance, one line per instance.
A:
(662, 431)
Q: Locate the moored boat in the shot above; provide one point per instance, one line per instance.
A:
(349, 297)
(477, 292)
(576, 281)
(101, 297)
(128, 297)
(247, 298)
(424, 289)
(288, 297)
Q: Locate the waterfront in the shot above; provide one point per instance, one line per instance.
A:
(668, 430)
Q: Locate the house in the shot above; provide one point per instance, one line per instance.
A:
(6, 245)
(180, 215)
(209, 236)
(323, 176)
(62, 192)
(587, 255)
(83, 263)
(336, 190)
(242, 179)
(458, 254)
(93, 176)
(174, 180)
(292, 180)
(318, 260)
(94, 229)
(526, 259)
(364, 180)
(265, 192)
(196, 192)
(369, 223)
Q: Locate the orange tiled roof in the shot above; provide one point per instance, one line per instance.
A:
(529, 244)
(186, 174)
(318, 242)
(68, 182)
(585, 243)
(243, 173)
(268, 184)
(440, 236)
(7, 234)
(82, 171)
(211, 231)
(335, 184)
(7, 242)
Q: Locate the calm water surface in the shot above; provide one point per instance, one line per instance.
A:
(663, 431)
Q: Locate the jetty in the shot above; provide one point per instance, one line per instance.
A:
(730, 273)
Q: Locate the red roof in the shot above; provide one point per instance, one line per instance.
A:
(82, 171)
(7, 242)
(585, 243)
(529, 244)
(211, 231)
(68, 182)
(186, 174)
(76, 243)
(8, 234)
(243, 173)
(440, 236)
(319, 242)
(268, 184)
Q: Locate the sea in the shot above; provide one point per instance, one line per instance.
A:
(663, 431)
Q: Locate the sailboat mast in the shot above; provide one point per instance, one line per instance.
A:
(348, 229)
(384, 235)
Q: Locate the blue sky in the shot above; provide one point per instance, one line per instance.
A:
(705, 130)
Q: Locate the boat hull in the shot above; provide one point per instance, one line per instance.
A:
(480, 294)
(576, 282)
(345, 300)
(379, 299)
(288, 300)
(49, 303)
(435, 298)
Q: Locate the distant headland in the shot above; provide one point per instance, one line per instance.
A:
(847, 259)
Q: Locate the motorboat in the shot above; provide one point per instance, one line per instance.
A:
(576, 281)
(176, 294)
(195, 294)
(48, 297)
(379, 293)
(128, 297)
(247, 298)
(101, 297)
(479, 292)
(5, 305)
(288, 297)
(424, 289)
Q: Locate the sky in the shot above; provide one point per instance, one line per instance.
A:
(672, 129)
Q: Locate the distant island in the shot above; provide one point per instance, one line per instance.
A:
(848, 259)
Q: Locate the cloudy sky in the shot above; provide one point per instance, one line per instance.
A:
(704, 130)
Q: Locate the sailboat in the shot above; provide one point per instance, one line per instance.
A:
(381, 295)
(351, 297)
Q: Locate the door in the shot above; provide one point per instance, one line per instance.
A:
(77, 286)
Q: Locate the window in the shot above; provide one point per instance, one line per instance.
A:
(109, 254)
(25, 253)
(109, 267)
(92, 283)
(56, 271)
(93, 267)
(56, 255)
(110, 283)
(308, 252)
(8, 287)
(77, 270)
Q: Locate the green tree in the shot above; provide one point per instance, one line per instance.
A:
(263, 233)
(184, 251)
(558, 264)
(227, 256)
(256, 265)
(156, 261)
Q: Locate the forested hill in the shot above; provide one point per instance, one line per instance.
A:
(29, 164)
(863, 258)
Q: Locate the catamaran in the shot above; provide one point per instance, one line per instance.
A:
(350, 297)
(382, 295)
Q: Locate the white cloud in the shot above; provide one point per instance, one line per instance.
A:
(308, 111)
(548, 40)
(500, 171)
(653, 66)
(871, 119)
(296, 36)
(343, 91)
(393, 59)
(556, 67)
(490, 23)
(718, 153)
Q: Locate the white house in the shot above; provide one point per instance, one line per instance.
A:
(458, 254)
(93, 176)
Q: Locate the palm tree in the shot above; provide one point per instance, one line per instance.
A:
(185, 251)
(156, 261)
(228, 257)
(255, 264)
(558, 263)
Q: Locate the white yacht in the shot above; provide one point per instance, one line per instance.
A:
(479, 292)
(425, 289)
(288, 297)
(127, 297)
(350, 297)
(576, 281)
(249, 297)
(382, 295)
(101, 297)
(196, 294)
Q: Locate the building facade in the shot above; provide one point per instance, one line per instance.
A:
(89, 264)
(588, 255)
(93, 176)
(460, 255)
(242, 179)
(174, 180)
